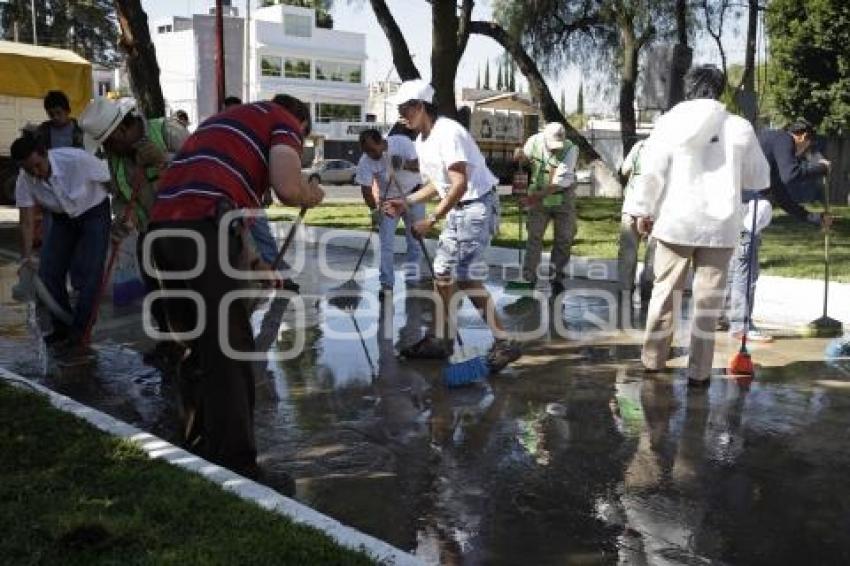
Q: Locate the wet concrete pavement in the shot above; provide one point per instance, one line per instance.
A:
(573, 456)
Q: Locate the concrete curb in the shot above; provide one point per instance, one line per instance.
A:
(244, 488)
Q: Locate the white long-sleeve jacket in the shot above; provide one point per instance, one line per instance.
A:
(696, 163)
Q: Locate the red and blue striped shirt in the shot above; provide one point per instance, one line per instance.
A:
(226, 157)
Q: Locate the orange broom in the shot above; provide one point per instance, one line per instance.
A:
(742, 363)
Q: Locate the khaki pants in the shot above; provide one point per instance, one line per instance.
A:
(671, 271)
(564, 219)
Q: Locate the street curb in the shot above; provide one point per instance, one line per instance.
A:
(265, 497)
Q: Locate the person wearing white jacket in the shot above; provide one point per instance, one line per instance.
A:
(699, 159)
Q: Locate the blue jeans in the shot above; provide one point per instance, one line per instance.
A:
(465, 238)
(77, 272)
(386, 235)
(81, 242)
(736, 282)
(262, 234)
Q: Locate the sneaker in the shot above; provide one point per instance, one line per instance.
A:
(501, 354)
(429, 348)
(753, 335)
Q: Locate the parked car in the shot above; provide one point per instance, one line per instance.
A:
(331, 171)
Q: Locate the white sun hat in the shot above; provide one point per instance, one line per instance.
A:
(100, 118)
(554, 136)
(416, 89)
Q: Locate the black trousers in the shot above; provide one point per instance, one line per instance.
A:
(216, 390)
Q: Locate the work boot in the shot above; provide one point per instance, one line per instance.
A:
(429, 348)
(502, 353)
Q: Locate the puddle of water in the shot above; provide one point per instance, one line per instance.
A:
(572, 457)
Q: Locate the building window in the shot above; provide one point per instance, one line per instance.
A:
(270, 66)
(338, 72)
(298, 26)
(326, 112)
(164, 29)
(296, 68)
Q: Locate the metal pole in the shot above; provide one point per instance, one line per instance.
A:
(246, 94)
(34, 33)
(219, 51)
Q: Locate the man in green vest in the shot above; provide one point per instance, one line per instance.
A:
(551, 197)
(130, 142)
(137, 150)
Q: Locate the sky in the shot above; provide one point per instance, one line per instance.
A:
(414, 19)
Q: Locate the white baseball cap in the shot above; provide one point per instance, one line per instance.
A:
(416, 89)
(554, 136)
(100, 118)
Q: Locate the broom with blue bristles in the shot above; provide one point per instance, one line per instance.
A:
(464, 372)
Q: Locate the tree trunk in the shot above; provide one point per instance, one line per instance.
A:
(536, 83)
(402, 60)
(682, 57)
(135, 41)
(628, 79)
(748, 82)
(444, 55)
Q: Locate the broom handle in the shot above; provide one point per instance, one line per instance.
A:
(138, 180)
(826, 246)
(434, 277)
(289, 236)
(750, 269)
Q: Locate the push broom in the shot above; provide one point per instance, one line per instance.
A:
(519, 189)
(464, 372)
(346, 296)
(138, 180)
(825, 326)
(741, 363)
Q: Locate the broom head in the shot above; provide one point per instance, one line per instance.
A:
(466, 372)
(741, 364)
(347, 296)
(824, 327)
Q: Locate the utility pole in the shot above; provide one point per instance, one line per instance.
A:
(34, 33)
(219, 51)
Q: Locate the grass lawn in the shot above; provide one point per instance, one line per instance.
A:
(791, 248)
(74, 495)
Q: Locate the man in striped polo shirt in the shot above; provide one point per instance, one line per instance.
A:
(228, 163)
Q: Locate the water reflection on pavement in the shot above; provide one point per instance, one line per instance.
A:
(572, 456)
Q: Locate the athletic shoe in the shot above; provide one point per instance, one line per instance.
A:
(753, 335)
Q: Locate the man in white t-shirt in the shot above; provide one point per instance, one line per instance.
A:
(454, 170)
(389, 169)
(69, 183)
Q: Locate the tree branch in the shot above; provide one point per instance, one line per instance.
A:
(463, 26)
(536, 83)
(401, 53)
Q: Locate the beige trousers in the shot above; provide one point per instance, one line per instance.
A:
(671, 271)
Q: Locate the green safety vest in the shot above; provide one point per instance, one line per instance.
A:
(540, 173)
(118, 166)
(635, 169)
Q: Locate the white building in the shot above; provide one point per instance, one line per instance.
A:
(287, 53)
(380, 108)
